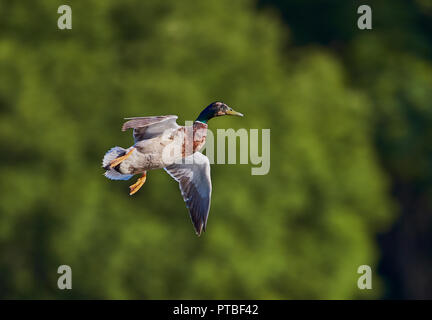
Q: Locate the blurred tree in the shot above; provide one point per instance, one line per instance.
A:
(299, 232)
(392, 66)
(400, 87)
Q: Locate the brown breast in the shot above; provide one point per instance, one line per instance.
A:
(199, 135)
(193, 138)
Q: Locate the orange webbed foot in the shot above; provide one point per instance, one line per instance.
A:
(137, 185)
(119, 160)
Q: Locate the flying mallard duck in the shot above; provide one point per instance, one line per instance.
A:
(161, 143)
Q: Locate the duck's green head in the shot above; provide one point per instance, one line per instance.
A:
(216, 109)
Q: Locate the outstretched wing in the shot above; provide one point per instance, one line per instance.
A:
(195, 185)
(149, 127)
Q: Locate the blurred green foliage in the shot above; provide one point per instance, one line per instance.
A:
(299, 232)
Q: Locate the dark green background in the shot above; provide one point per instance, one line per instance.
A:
(350, 179)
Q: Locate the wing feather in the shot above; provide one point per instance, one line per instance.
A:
(195, 186)
(149, 127)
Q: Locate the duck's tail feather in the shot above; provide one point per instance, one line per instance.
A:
(112, 173)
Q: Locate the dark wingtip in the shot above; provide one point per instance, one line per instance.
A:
(199, 229)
